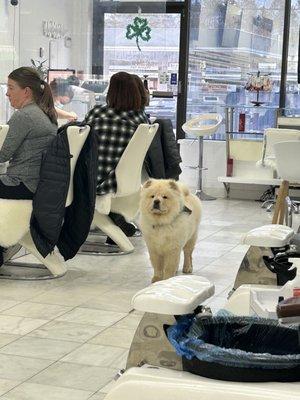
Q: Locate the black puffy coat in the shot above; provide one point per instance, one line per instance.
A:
(163, 158)
(52, 224)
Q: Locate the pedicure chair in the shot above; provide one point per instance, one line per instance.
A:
(155, 371)
(265, 273)
(265, 242)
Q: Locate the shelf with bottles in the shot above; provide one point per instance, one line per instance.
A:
(249, 122)
(245, 125)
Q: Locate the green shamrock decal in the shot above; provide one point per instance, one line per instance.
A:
(139, 29)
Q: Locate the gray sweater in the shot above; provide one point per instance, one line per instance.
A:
(30, 131)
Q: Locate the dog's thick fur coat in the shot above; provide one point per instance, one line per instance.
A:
(170, 216)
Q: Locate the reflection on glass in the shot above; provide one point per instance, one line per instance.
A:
(229, 40)
(155, 59)
(293, 94)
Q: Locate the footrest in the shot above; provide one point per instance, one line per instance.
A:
(269, 236)
(175, 296)
(165, 384)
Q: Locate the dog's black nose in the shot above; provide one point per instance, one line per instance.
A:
(156, 204)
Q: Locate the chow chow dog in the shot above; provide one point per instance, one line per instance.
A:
(169, 220)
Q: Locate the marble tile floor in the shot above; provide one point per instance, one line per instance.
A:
(67, 338)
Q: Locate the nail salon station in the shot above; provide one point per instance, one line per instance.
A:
(224, 76)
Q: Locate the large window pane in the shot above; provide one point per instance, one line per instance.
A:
(292, 95)
(155, 59)
(229, 40)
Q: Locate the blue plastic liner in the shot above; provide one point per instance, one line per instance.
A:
(243, 342)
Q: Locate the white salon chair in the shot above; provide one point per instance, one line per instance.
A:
(198, 126)
(126, 200)
(17, 213)
(268, 160)
(287, 158)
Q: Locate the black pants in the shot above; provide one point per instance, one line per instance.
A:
(20, 192)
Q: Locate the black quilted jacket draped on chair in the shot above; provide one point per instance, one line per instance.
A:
(51, 223)
(163, 157)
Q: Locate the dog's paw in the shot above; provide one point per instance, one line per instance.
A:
(187, 269)
(156, 279)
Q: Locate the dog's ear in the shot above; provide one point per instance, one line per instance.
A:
(147, 184)
(174, 186)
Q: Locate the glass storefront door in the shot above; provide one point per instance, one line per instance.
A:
(141, 38)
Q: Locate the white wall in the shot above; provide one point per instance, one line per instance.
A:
(9, 43)
(25, 40)
(32, 14)
(21, 37)
(82, 37)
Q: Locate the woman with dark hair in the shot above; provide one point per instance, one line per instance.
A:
(31, 128)
(145, 95)
(62, 94)
(114, 124)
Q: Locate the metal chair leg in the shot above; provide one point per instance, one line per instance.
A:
(199, 192)
(267, 203)
(270, 207)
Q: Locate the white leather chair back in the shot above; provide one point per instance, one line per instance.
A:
(76, 137)
(276, 135)
(287, 159)
(3, 133)
(197, 126)
(129, 168)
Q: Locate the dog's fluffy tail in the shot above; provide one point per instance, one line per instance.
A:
(184, 188)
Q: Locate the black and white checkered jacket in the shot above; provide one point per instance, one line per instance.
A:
(114, 130)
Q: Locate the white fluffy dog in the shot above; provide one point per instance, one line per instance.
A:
(170, 216)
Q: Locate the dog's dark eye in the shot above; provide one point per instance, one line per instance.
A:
(165, 197)
(152, 197)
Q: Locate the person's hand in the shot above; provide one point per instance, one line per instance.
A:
(73, 116)
(69, 115)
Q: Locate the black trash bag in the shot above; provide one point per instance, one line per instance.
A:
(237, 348)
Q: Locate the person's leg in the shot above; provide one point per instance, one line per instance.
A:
(20, 192)
(128, 228)
(1, 255)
